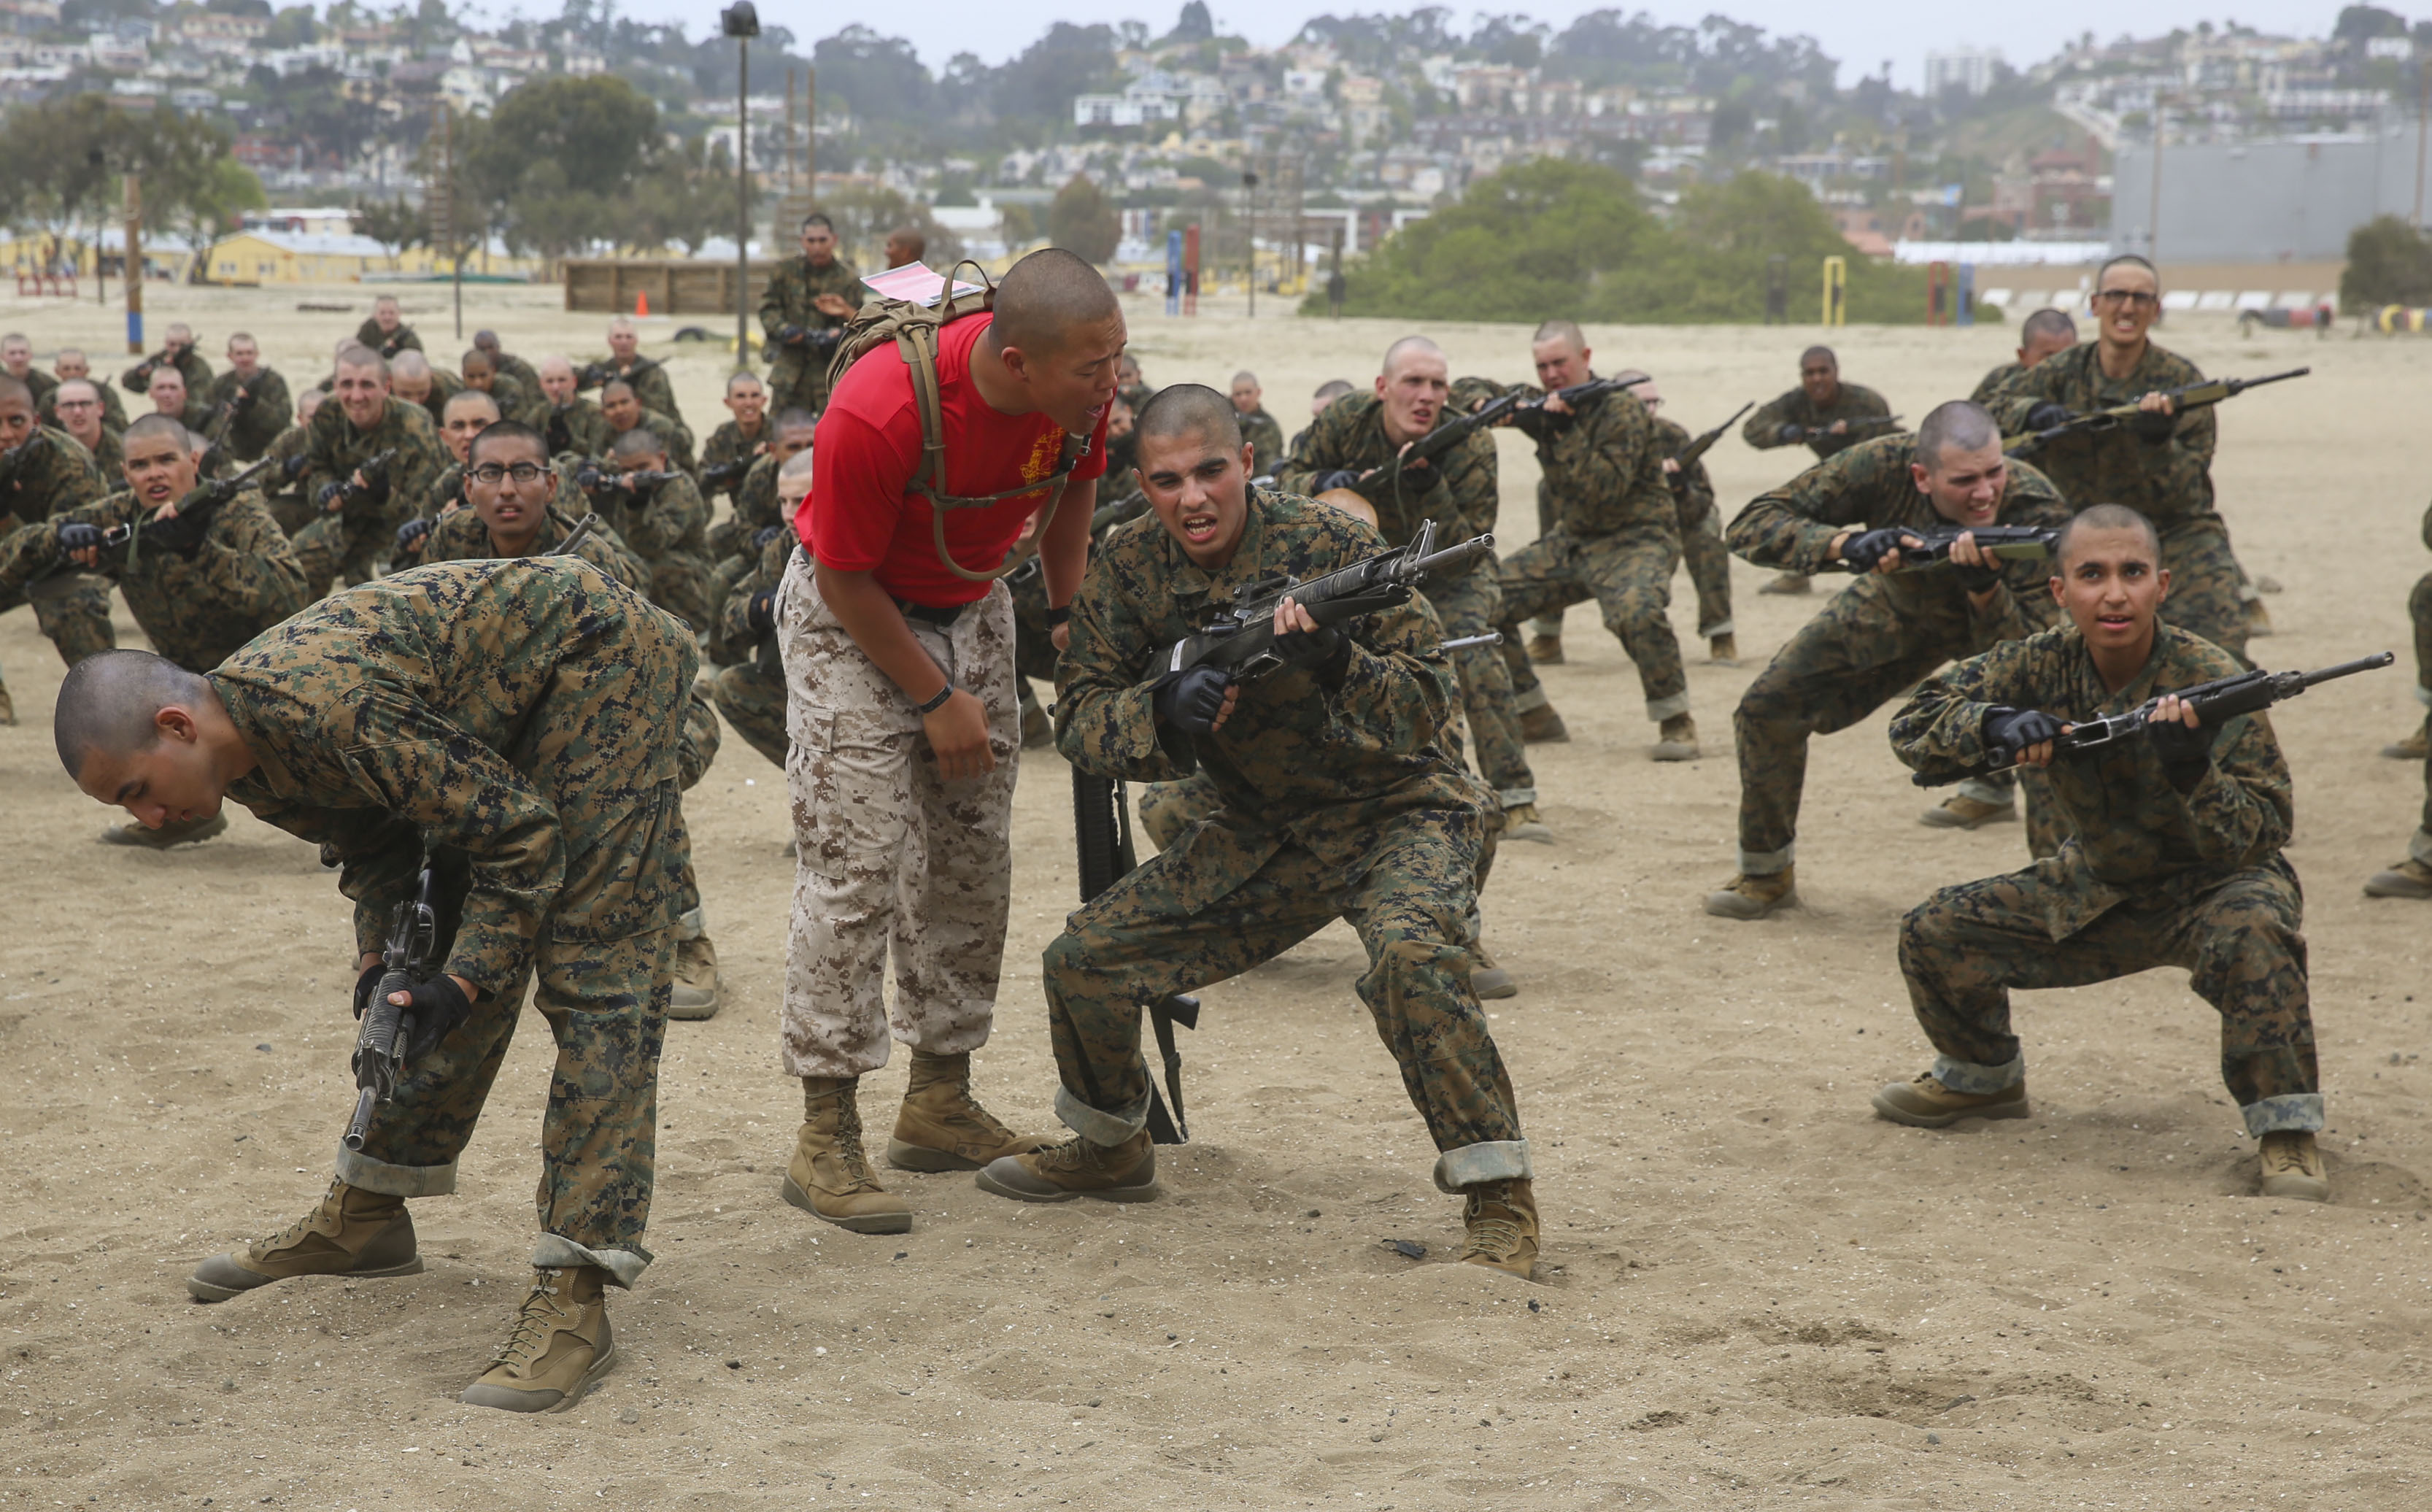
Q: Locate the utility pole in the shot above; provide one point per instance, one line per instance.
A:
(134, 270)
(2423, 109)
(741, 21)
(1250, 224)
(2153, 211)
(439, 202)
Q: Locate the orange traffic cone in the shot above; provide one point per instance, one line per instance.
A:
(642, 305)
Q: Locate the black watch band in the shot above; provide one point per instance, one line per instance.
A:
(1058, 614)
(937, 703)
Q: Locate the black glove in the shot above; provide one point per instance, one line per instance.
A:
(239, 400)
(761, 615)
(294, 467)
(2047, 415)
(326, 497)
(374, 489)
(1866, 549)
(76, 535)
(2009, 731)
(1325, 651)
(1335, 478)
(411, 535)
(761, 538)
(791, 335)
(1978, 579)
(1789, 433)
(439, 1005)
(2153, 427)
(2185, 753)
(364, 985)
(1193, 701)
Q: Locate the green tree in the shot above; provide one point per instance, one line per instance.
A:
(2389, 261)
(866, 214)
(558, 163)
(1083, 221)
(686, 198)
(394, 224)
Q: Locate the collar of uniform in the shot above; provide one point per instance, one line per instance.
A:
(2140, 688)
(269, 769)
(1192, 581)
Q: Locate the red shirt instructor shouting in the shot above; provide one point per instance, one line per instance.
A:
(901, 709)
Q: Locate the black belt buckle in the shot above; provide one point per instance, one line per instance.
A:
(932, 614)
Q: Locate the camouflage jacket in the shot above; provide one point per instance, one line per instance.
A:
(649, 379)
(1603, 465)
(729, 444)
(673, 435)
(1791, 527)
(1694, 491)
(460, 535)
(196, 369)
(732, 638)
(1332, 770)
(110, 457)
(1855, 402)
(1994, 381)
(518, 401)
(450, 704)
(1456, 491)
(293, 446)
(756, 497)
(792, 285)
(2135, 833)
(524, 375)
(43, 384)
(48, 474)
(247, 430)
(2166, 479)
(672, 522)
(1266, 439)
(114, 408)
(370, 334)
(448, 493)
(579, 428)
(444, 385)
(242, 579)
(336, 449)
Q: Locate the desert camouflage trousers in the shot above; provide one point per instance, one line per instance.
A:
(1154, 934)
(892, 860)
(606, 1002)
(1628, 573)
(1964, 949)
(1473, 605)
(2207, 595)
(752, 698)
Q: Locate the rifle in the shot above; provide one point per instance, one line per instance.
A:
(2216, 704)
(1866, 422)
(599, 375)
(2008, 543)
(575, 537)
(2190, 397)
(1130, 507)
(217, 426)
(1242, 638)
(1451, 431)
(374, 473)
(420, 933)
(185, 527)
(725, 474)
(1103, 828)
(1687, 456)
(595, 482)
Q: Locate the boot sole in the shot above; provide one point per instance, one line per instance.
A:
(1675, 750)
(1728, 905)
(2395, 885)
(2296, 1188)
(865, 1223)
(1888, 1109)
(506, 1399)
(204, 1291)
(1945, 819)
(1112, 1194)
(694, 1014)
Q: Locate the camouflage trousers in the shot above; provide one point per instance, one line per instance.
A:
(1168, 808)
(1856, 654)
(2206, 584)
(1473, 605)
(797, 382)
(1964, 949)
(893, 860)
(606, 1002)
(1151, 935)
(1710, 566)
(686, 587)
(72, 610)
(2419, 605)
(752, 698)
(1629, 575)
(696, 748)
(333, 547)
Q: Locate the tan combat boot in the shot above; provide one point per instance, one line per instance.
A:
(188, 833)
(2410, 878)
(692, 986)
(1790, 582)
(1487, 979)
(1926, 1103)
(1520, 822)
(1724, 651)
(1502, 1221)
(1541, 725)
(2411, 749)
(1078, 1167)
(1545, 651)
(2292, 1166)
(352, 1233)
(560, 1344)
(1676, 741)
(1754, 897)
(829, 1176)
(1959, 812)
(1038, 729)
(941, 1127)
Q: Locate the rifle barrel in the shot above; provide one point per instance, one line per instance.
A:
(2349, 669)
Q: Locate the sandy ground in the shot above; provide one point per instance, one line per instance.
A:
(1753, 1293)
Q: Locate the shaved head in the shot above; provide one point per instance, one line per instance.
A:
(1957, 426)
(16, 390)
(637, 442)
(157, 424)
(1407, 348)
(109, 702)
(471, 398)
(2096, 517)
(1046, 299)
(2048, 324)
(1562, 330)
(1190, 409)
(409, 365)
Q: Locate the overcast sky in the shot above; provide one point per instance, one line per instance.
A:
(1862, 36)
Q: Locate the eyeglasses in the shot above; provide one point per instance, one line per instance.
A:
(525, 473)
(2136, 299)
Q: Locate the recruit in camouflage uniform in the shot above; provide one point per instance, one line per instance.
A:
(109, 456)
(282, 486)
(1265, 439)
(667, 527)
(49, 474)
(43, 384)
(350, 536)
(188, 362)
(2166, 866)
(247, 415)
(1336, 798)
(1773, 424)
(1873, 638)
(2167, 480)
(750, 688)
(114, 408)
(387, 342)
(439, 385)
(1702, 547)
(798, 370)
(1457, 492)
(2412, 877)
(647, 377)
(675, 438)
(1616, 540)
(729, 443)
(576, 428)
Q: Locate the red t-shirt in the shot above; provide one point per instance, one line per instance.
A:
(860, 516)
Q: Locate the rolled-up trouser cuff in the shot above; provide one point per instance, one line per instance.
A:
(2423, 696)
(2418, 848)
(692, 924)
(1099, 1128)
(1978, 1081)
(1660, 709)
(2291, 1110)
(1716, 631)
(558, 1252)
(1525, 700)
(1547, 624)
(1492, 1160)
(1766, 863)
(1988, 792)
(1515, 797)
(365, 1174)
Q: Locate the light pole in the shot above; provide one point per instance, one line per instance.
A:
(1250, 203)
(741, 21)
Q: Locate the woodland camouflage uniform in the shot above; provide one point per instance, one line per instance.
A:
(354, 538)
(798, 376)
(669, 529)
(1702, 533)
(751, 688)
(577, 427)
(2163, 868)
(648, 377)
(1855, 402)
(387, 344)
(196, 367)
(257, 420)
(1266, 441)
(49, 474)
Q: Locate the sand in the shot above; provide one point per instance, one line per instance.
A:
(1753, 1293)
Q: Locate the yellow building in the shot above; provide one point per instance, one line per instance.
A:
(295, 257)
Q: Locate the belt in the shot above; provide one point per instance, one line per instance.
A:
(930, 613)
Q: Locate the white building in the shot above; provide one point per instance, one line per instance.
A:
(1966, 68)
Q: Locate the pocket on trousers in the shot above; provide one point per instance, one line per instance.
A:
(849, 782)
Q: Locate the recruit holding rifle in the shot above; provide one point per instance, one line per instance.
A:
(2155, 415)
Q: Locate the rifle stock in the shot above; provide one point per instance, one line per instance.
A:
(1688, 455)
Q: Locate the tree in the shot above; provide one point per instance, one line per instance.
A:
(687, 198)
(202, 211)
(866, 214)
(1082, 221)
(394, 224)
(558, 164)
(882, 79)
(2389, 261)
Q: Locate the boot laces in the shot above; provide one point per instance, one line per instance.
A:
(294, 1233)
(1491, 1234)
(2281, 1156)
(538, 1319)
(1075, 1154)
(848, 1143)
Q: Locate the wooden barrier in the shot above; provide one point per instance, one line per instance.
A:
(674, 287)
